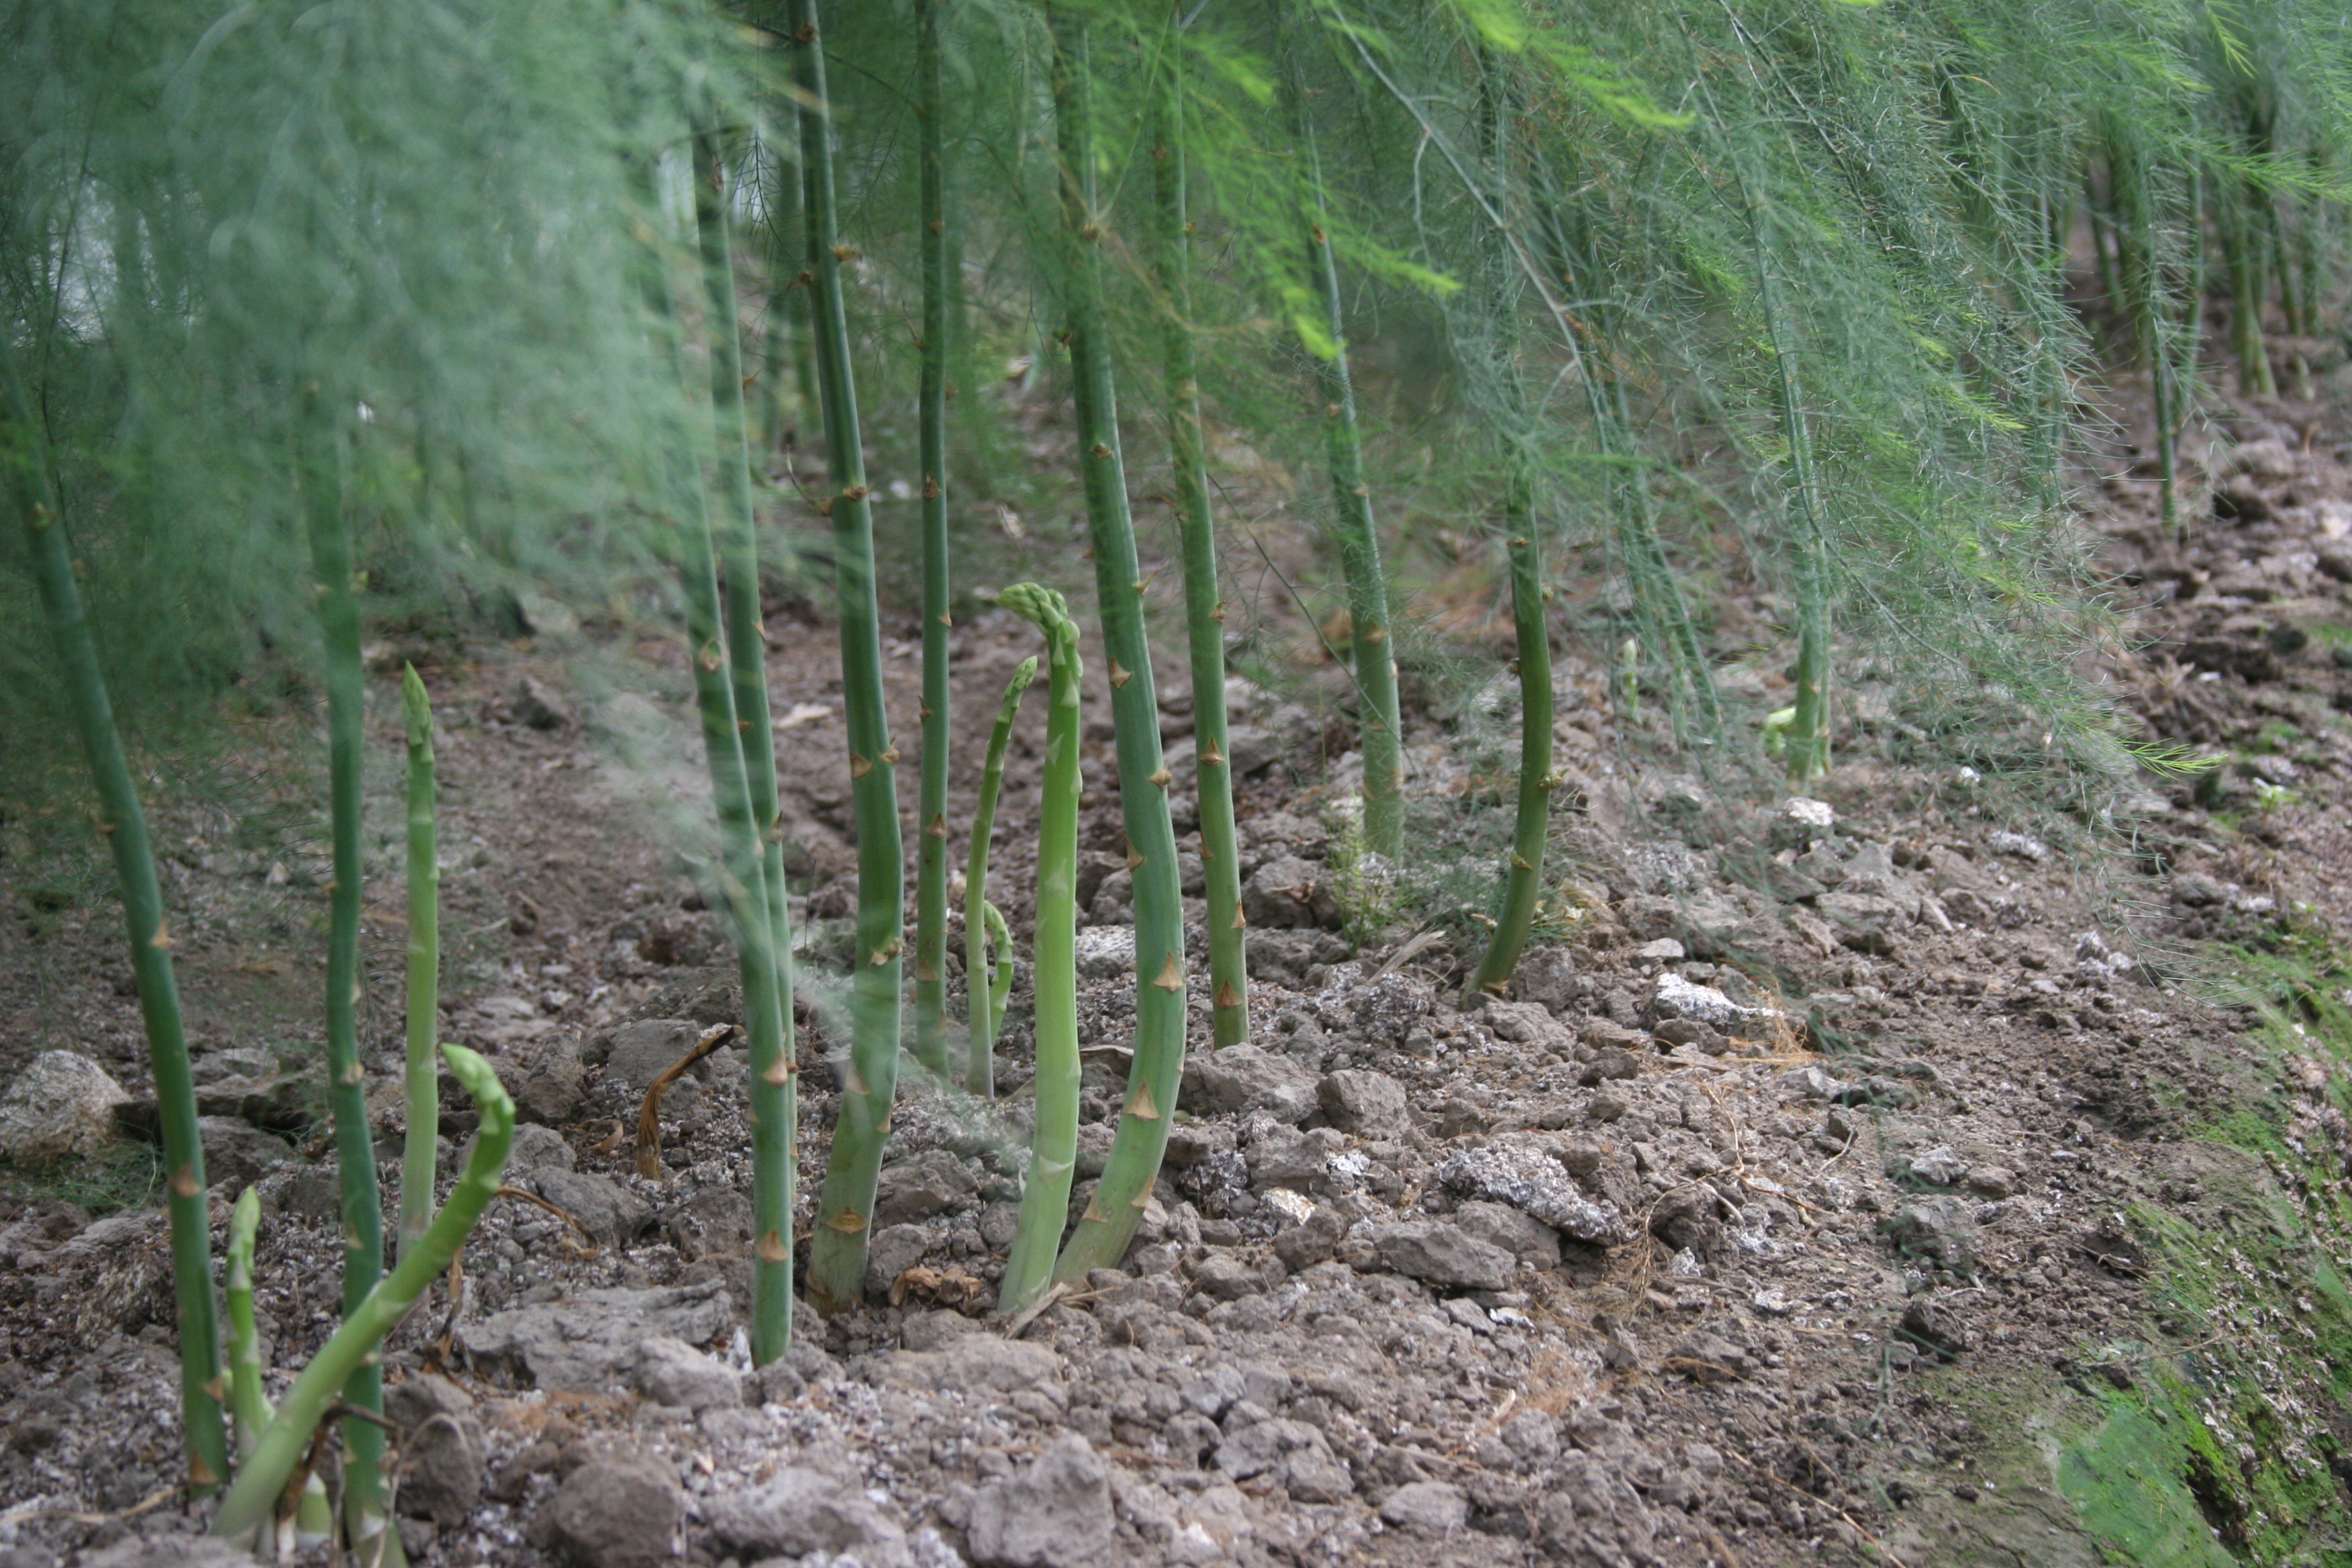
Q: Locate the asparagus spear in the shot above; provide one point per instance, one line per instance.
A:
(978, 928)
(416, 1159)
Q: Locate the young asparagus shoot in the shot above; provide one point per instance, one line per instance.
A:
(263, 1475)
(766, 928)
(1109, 1221)
(1053, 1147)
(999, 985)
(1205, 615)
(1531, 828)
(978, 928)
(313, 1519)
(25, 471)
(931, 418)
(869, 1083)
(329, 526)
(417, 1170)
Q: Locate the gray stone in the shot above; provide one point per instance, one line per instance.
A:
(1288, 891)
(588, 1341)
(1281, 1156)
(1799, 821)
(535, 1148)
(802, 1511)
(933, 1182)
(1228, 1275)
(1288, 955)
(1529, 1023)
(554, 1090)
(1426, 1508)
(1533, 1435)
(166, 1552)
(1529, 1240)
(538, 705)
(1244, 1077)
(1106, 951)
(977, 1361)
(1535, 1182)
(60, 1105)
(640, 1052)
(1367, 1103)
(1940, 1166)
(893, 1250)
(441, 1448)
(1268, 1447)
(1864, 921)
(1938, 1229)
(1192, 1144)
(1387, 1010)
(1546, 978)
(671, 1372)
(1314, 1240)
(712, 1222)
(605, 1209)
(1442, 1254)
(1054, 1514)
(614, 1515)
(1250, 749)
(1671, 996)
(238, 1153)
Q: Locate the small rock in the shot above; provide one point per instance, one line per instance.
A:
(441, 1448)
(1054, 1514)
(1671, 996)
(1292, 1452)
(1442, 1253)
(238, 1153)
(1281, 1156)
(1106, 951)
(1612, 1064)
(802, 1512)
(1529, 1023)
(609, 1515)
(1940, 1166)
(933, 1182)
(1608, 1106)
(535, 1148)
(62, 1105)
(1228, 1275)
(1288, 891)
(1426, 1508)
(2017, 846)
(605, 1209)
(1990, 1180)
(1934, 1327)
(537, 704)
(554, 1090)
(1529, 1240)
(1533, 1182)
(640, 1052)
(1863, 922)
(1942, 1229)
(1546, 978)
(590, 1338)
(2194, 891)
(671, 1372)
(1664, 948)
(1369, 1104)
(2266, 458)
(1799, 821)
(1244, 1079)
(1813, 1083)
(1693, 1032)
(1312, 1240)
(148, 1552)
(1387, 1009)
(893, 1250)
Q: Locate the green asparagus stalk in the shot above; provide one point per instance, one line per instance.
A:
(765, 949)
(1351, 502)
(1806, 735)
(25, 471)
(1054, 1140)
(980, 1072)
(264, 1474)
(846, 1206)
(313, 1519)
(999, 985)
(1109, 1224)
(417, 1171)
(932, 439)
(1204, 613)
(339, 622)
(1531, 827)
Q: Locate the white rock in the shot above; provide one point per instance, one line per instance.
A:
(60, 1105)
(1675, 997)
(1106, 953)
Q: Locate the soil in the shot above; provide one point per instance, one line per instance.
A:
(1902, 1183)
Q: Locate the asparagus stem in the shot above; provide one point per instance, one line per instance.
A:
(758, 876)
(417, 1171)
(999, 985)
(1109, 1221)
(339, 622)
(1531, 827)
(931, 414)
(353, 1349)
(1352, 503)
(1054, 1142)
(248, 1404)
(984, 1009)
(1205, 615)
(869, 1083)
(1808, 735)
(23, 468)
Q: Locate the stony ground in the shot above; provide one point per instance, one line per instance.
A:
(1819, 1194)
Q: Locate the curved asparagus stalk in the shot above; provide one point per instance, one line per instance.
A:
(1054, 1140)
(362, 1205)
(417, 1170)
(1205, 615)
(1532, 828)
(23, 470)
(279, 1447)
(846, 1207)
(1109, 1224)
(773, 1093)
(981, 923)
(932, 415)
(314, 1515)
